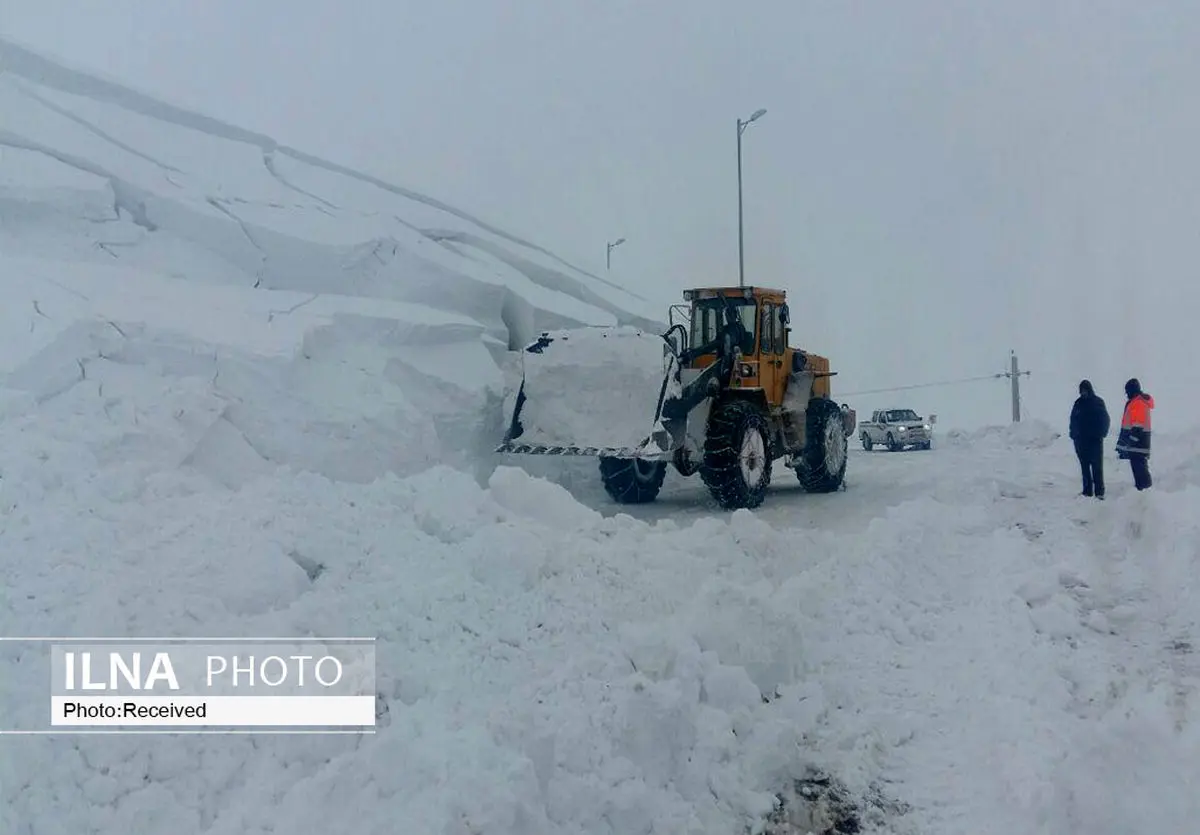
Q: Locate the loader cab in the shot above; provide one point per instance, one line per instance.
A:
(762, 338)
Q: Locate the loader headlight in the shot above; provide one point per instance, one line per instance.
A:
(902, 428)
(927, 427)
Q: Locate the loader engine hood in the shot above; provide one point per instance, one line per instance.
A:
(590, 387)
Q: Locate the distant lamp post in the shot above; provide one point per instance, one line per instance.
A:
(608, 255)
(741, 127)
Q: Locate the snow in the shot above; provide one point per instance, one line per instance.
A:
(1034, 434)
(958, 639)
(548, 667)
(591, 387)
(163, 186)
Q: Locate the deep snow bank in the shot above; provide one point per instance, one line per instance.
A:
(1029, 434)
(981, 662)
(233, 382)
(344, 324)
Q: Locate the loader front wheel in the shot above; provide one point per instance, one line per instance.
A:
(632, 480)
(737, 455)
(823, 465)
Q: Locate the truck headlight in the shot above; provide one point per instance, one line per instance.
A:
(902, 428)
(927, 427)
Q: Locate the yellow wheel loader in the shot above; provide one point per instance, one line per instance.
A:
(720, 393)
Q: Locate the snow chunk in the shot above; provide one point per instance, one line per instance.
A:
(540, 500)
(591, 387)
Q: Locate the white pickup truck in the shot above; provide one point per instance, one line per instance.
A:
(896, 429)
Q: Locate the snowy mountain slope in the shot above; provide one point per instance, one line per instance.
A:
(284, 218)
(349, 312)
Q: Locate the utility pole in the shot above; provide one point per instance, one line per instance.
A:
(741, 128)
(1015, 376)
(608, 255)
(741, 234)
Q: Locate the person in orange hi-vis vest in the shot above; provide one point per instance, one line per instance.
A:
(1134, 441)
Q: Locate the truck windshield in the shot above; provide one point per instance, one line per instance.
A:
(708, 321)
(902, 414)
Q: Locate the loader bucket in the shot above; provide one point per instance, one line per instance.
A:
(592, 392)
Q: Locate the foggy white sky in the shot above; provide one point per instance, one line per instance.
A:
(935, 182)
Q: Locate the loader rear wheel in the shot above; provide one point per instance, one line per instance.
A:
(822, 468)
(632, 480)
(737, 457)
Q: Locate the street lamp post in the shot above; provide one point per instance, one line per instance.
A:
(741, 128)
(608, 255)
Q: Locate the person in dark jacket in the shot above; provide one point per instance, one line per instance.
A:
(1089, 428)
(1133, 442)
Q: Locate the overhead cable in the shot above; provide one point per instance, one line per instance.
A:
(925, 385)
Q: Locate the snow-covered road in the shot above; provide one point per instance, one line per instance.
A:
(875, 481)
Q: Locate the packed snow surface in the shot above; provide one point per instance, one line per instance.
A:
(246, 392)
(591, 387)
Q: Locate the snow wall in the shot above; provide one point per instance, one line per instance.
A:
(303, 314)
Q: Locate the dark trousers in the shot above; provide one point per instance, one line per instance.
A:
(1140, 464)
(1091, 463)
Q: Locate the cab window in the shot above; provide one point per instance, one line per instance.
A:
(708, 321)
(778, 331)
(704, 324)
